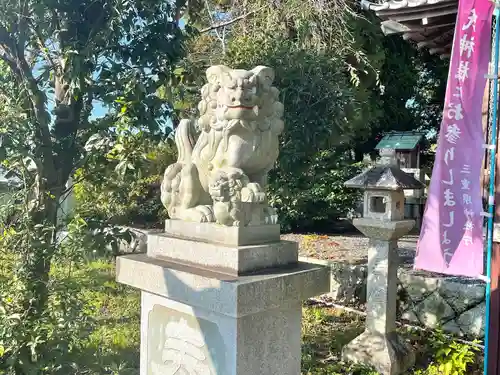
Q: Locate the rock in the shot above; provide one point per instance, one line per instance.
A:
(418, 287)
(410, 316)
(348, 283)
(434, 311)
(388, 354)
(404, 302)
(139, 241)
(452, 327)
(471, 322)
(461, 296)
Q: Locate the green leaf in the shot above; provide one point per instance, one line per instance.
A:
(179, 71)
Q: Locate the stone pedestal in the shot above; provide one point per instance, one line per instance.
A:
(380, 345)
(221, 304)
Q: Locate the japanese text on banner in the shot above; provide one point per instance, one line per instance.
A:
(451, 239)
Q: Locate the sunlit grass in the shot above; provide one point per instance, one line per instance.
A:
(110, 338)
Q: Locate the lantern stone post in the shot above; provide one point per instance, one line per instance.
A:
(383, 223)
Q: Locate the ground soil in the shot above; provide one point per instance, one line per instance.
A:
(349, 247)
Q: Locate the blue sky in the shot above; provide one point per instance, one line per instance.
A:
(98, 111)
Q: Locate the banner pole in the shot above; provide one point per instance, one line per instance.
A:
(491, 199)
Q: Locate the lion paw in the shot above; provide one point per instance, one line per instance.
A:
(252, 195)
(206, 214)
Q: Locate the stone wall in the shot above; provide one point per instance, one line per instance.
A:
(453, 304)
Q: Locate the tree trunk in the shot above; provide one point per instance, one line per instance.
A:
(37, 265)
(39, 247)
(33, 270)
(53, 176)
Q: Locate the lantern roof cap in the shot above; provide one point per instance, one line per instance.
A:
(386, 175)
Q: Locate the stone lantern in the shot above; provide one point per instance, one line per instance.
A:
(383, 223)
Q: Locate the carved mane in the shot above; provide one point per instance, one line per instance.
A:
(240, 119)
(270, 110)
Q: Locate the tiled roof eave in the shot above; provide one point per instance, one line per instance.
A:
(400, 4)
(419, 21)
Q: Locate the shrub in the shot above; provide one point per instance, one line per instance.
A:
(82, 331)
(317, 198)
(123, 186)
(450, 357)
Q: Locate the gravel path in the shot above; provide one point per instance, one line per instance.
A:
(351, 248)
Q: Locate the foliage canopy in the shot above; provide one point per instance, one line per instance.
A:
(59, 61)
(342, 81)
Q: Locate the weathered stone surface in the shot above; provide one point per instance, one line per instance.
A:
(461, 296)
(389, 354)
(410, 316)
(224, 294)
(204, 322)
(382, 285)
(174, 338)
(434, 310)
(404, 301)
(277, 346)
(383, 205)
(177, 338)
(196, 319)
(472, 321)
(347, 281)
(452, 327)
(349, 291)
(139, 243)
(418, 287)
(235, 260)
(219, 177)
(412, 284)
(383, 230)
(380, 346)
(386, 174)
(348, 285)
(220, 234)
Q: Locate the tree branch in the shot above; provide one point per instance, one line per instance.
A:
(43, 48)
(230, 22)
(22, 26)
(221, 38)
(57, 22)
(7, 43)
(13, 55)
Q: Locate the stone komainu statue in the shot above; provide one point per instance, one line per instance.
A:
(221, 175)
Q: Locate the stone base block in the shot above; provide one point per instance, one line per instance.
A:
(179, 339)
(200, 322)
(220, 234)
(234, 260)
(389, 354)
(225, 294)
